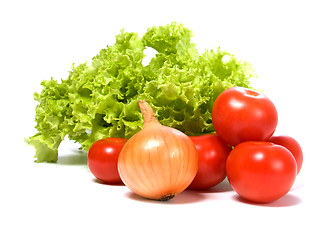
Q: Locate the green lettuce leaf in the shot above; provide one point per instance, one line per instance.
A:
(100, 100)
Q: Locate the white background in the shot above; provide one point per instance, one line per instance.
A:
(284, 40)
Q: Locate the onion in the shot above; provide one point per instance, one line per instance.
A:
(158, 162)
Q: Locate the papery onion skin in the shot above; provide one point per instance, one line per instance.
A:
(158, 162)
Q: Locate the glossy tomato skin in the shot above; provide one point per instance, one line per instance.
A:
(292, 145)
(240, 114)
(261, 171)
(213, 153)
(102, 159)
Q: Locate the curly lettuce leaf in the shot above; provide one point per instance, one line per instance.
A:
(100, 100)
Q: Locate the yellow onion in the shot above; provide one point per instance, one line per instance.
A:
(158, 162)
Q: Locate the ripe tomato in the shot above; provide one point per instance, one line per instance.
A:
(261, 171)
(240, 114)
(213, 153)
(292, 145)
(102, 159)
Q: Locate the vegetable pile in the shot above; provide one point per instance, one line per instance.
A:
(183, 121)
(99, 100)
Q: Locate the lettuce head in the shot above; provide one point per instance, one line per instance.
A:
(100, 99)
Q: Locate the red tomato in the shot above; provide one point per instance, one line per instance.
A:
(292, 145)
(102, 159)
(240, 114)
(213, 153)
(261, 171)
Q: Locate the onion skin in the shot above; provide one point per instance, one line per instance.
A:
(158, 162)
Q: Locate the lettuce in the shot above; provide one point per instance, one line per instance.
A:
(100, 100)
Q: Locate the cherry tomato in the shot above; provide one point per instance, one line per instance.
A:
(261, 171)
(102, 159)
(292, 145)
(240, 114)
(213, 153)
